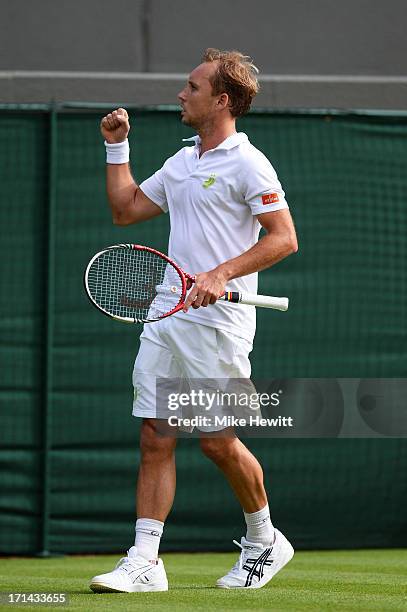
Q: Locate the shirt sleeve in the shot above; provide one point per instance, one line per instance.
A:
(154, 189)
(262, 190)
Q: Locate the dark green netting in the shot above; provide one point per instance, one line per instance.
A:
(345, 178)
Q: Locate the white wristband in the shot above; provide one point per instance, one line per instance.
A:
(118, 152)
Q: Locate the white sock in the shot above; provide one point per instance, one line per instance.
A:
(148, 536)
(259, 527)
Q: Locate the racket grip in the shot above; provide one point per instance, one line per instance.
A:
(252, 299)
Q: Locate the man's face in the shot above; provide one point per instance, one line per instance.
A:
(198, 103)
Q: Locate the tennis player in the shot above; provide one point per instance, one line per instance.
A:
(219, 190)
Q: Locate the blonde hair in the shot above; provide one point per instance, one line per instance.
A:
(234, 75)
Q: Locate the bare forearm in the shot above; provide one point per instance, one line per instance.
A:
(269, 250)
(127, 202)
(280, 241)
(121, 190)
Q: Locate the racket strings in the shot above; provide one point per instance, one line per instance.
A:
(134, 284)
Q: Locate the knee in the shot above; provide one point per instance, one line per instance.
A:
(153, 445)
(217, 449)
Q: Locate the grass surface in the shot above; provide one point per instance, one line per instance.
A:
(318, 581)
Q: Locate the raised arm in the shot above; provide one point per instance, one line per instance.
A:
(127, 201)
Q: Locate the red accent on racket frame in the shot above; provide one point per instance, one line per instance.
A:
(183, 275)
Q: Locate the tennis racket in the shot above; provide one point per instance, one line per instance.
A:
(137, 284)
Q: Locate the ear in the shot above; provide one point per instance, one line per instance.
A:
(223, 101)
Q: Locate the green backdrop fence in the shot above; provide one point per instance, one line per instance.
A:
(69, 451)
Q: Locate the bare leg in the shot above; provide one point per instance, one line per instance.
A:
(156, 479)
(241, 468)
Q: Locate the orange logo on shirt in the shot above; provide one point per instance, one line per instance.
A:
(269, 198)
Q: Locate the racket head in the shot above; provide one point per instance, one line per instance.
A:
(133, 283)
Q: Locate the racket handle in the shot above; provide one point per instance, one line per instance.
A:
(252, 299)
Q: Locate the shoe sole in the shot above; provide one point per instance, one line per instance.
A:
(100, 587)
(286, 558)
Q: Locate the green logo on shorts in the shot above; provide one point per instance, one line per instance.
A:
(209, 181)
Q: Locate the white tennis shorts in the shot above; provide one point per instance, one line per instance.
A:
(179, 349)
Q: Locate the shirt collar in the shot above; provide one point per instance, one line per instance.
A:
(229, 143)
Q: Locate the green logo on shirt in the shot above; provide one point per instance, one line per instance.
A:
(209, 181)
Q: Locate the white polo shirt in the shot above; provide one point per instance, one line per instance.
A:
(212, 201)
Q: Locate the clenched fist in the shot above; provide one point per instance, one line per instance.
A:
(115, 126)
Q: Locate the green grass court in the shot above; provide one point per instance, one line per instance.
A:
(319, 581)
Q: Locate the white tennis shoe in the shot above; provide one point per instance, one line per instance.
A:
(132, 574)
(257, 564)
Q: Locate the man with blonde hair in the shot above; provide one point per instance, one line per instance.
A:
(219, 192)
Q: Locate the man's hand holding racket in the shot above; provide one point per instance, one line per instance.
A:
(208, 287)
(137, 284)
(115, 126)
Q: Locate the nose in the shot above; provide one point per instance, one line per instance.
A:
(181, 95)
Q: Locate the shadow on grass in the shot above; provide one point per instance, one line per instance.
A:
(173, 588)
